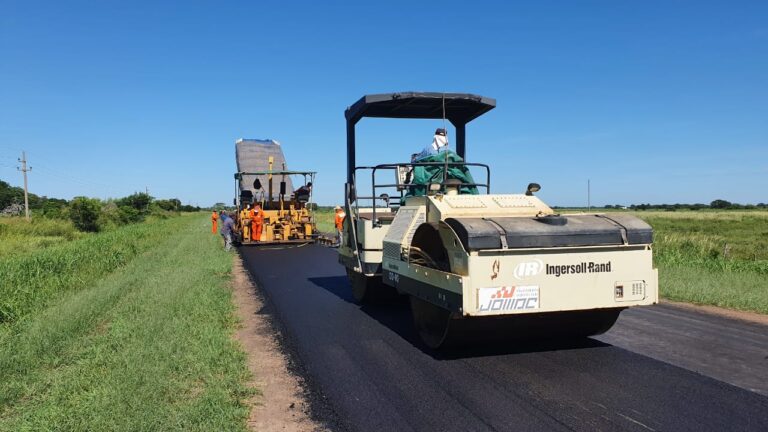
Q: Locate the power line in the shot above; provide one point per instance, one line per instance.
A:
(76, 180)
(23, 168)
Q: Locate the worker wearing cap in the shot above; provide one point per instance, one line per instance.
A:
(245, 221)
(439, 143)
(257, 221)
(214, 219)
(339, 222)
(227, 229)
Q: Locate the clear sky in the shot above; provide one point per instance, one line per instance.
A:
(654, 101)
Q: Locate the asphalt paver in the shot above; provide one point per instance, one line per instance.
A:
(368, 371)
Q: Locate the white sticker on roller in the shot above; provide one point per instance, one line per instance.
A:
(528, 268)
(507, 299)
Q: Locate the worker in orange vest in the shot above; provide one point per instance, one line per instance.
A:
(257, 221)
(214, 218)
(245, 221)
(339, 222)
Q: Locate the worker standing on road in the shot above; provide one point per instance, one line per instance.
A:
(257, 221)
(245, 221)
(227, 230)
(214, 218)
(339, 222)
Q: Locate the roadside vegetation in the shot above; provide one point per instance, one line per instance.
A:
(17, 236)
(55, 221)
(710, 254)
(30, 281)
(324, 219)
(712, 257)
(128, 329)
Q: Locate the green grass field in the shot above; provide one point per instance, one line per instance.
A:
(17, 236)
(712, 257)
(137, 338)
(324, 220)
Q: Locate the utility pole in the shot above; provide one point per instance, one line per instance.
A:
(23, 168)
(589, 196)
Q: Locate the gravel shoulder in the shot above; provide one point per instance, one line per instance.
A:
(280, 403)
(752, 317)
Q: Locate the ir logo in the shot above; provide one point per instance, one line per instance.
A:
(528, 268)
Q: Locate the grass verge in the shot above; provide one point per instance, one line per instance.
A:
(717, 258)
(147, 347)
(745, 291)
(18, 236)
(29, 281)
(324, 219)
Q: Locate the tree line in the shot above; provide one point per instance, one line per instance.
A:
(718, 204)
(90, 214)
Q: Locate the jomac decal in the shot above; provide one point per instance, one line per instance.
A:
(507, 298)
(527, 269)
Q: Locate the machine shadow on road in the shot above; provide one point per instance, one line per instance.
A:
(396, 316)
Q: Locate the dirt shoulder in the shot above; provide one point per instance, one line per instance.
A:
(753, 317)
(281, 404)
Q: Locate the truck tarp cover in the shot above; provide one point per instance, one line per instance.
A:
(424, 175)
(252, 155)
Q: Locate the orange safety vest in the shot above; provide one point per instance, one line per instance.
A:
(257, 216)
(214, 218)
(339, 219)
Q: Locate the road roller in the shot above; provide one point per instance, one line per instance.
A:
(479, 266)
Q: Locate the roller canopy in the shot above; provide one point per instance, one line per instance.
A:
(560, 231)
(460, 108)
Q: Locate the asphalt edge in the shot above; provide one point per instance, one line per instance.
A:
(320, 409)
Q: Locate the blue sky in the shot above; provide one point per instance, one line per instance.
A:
(658, 102)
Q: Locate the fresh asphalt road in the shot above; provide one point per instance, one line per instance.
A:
(659, 368)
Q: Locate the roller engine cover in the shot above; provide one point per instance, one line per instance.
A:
(564, 231)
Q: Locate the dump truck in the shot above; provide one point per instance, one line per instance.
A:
(478, 265)
(262, 178)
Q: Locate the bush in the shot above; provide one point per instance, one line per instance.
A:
(172, 204)
(130, 215)
(84, 213)
(138, 201)
(54, 208)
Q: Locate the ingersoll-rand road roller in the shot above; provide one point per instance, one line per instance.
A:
(479, 266)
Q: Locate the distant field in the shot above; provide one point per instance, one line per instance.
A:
(324, 220)
(712, 257)
(701, 235)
